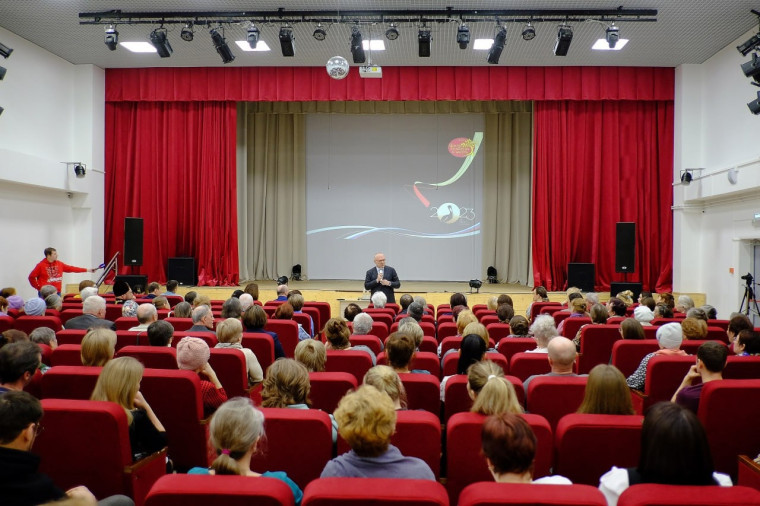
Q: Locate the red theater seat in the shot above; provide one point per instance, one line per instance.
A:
(287, 333)
(198, 490)
(155, 357)
(450, 362)
(371, 342)
(262, 346)
(628, 353)
(70, 382)
(457, 400)
(423, 391)
(422, 360)
(528, 494)
(555, 396)
(328, 388)
(678, 495)
(523, 365)
(497, 331)
(664, 374)
(231, 369)
(596, 346)
(356, 362)
(375, 492)
(29, 323)
(66, 354)
(512, 345)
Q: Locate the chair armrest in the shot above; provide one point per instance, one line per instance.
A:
(639, 400)
(749, 472)
(141, 475)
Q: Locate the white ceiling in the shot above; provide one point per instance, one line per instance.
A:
(687, 31)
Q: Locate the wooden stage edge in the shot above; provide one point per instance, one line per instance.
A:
(340, 291)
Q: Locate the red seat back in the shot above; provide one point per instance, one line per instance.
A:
(370, 341)
(529, 494)
(497, 331)
(324, 312)
(555, 396)
(457, 399)
(195, 490)
(446, 329)
(155, 357)
(70, 382)
(380, 315)
(29, 323)
(231, 368)
(664, 374)
(429, 344)
(451, 360)
(209, 337)
(328, 388)
(742, 367)
(512, 345)
(382, 491)
(70, 336)
(355, 362)
(627, 353)
(68, 314)
(596, 345)
(262, 346)
(180, 324)
(523, 365)
(422, 392)
(536, 308)
(6, 323)
(315, 317)
(572, 325)
(66, 354)
(126, 322)
(679, 495)
(113, 311)
(287, 333)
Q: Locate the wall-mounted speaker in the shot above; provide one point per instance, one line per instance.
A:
(133, 241)
(581, 275)
(183, 270)
(625, 247)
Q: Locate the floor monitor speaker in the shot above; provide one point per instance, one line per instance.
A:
(183, 270)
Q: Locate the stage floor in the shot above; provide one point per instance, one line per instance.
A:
(412, 287)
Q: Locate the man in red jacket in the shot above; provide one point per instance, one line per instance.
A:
(50, 271)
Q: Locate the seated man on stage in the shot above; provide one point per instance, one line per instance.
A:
(382, 278)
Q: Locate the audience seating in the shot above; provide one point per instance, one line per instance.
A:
(428, 328)
(174, 299)
(538, 307)
(555, 396)
(422, 392)
(113, 311)
(617, 320)
(464, 462)
(380, 315)
(446, 329)
(429, 344)
(457, 399)
(304, 320)
(742, 367)
(155, 357)
(375, 492)
(422, 360)
(679, 495)
(664, 374)
(488, 317)
(6, 323)
(70, 382)
(451, 360)
(512, 345)
(523, 365)
(299, 442)
(328, 388)
(29, 323)
(729, 411)
(527, 494)
(453, 343)
(628, 353)
(615, 439)
(749, 472)
(46, 352)
(71, 336)
(66, 354)
(262, 346)
(596, 346)
(497, 331)
(209, 337)
(445, 318)
(314, 314)
(572, 325)
(717, 334)
(355, 362)
(195, 490)
(126, 322)
(231, 369)
(68, 314)
(180, 324)
(718, 323)
(287, 333)
(379, 329)
(559, 316)
(370, 341)
(324, 312)
(87, 443)
(662, 321)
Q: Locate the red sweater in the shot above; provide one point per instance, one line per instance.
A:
(51, 273)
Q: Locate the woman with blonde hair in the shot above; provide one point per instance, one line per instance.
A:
(607, 393)
(312, 354)
(464, 318)
(119, 382)
(490, 391)
(201, 300)
(387, 380)
(98, 347)
(235, 431)
(230, 335)
(337, 335)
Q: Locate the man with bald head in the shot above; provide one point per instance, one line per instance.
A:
(382, 278)
(146, 314)
(562, 355)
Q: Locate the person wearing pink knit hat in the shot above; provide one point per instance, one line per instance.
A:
(192, 355)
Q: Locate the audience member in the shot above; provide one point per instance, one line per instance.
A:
(490, 391)
(193, 355)
(416, 310)
(98, 347)
(44, 335)
(747, 343)
(669, 337)
(282, 293)
(362, 324)
(457, 299)
(7, 292)
(254, 320)
(599, 316)
(161, 302)
(18, 363)
(410, 327)
(246, 301)
(171, 287)
(146, 314)
(735, 325)
(54, 301)
(698, 313)
(285, 312)
(542, 330)
(663, 311)
(627, 297)
(561, 354)
(124, 296)
(312, 354)
(160, 333)
(711, 359)
(577, 310)
(153, 290)
(183, 310)
(337, 335)
(94, 313)
(643, 315)
(710, 312)
(379, 299)
(471, 350)
(400, 350)
(15, 302)
(404, 302)
(203, 319)
(684, 303)
(253, 290)
(190, 297)
(35, 307)
(630, 328)
(3, 306)
(15, 336)
(616, 307)
(88, 291)
(694, 329)
(539, 295)
(519, 326)
(230, 335)
(607, 393)
(387, 381)
(201, 300)
(297, 301)
(351, 311)
(505, 312)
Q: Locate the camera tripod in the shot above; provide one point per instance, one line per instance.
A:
(749, 297)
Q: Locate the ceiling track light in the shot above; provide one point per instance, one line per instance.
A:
(612, 35)
(357, 51)
(220, 43)
(5, 51)
(498, 45)
(564, 38)
(287, 39)
(2, 73)
(319, 33)
(529, 32)
(160, 41)
(187, 33)
(111, 37)
(754, 106)
(752, 67)
(253, 35)
(463, 36)
(424, 37)
(392, 32)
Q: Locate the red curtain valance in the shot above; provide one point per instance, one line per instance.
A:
(286, 84)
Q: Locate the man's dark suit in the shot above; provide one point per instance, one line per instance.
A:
(389, 273)
(89, 321)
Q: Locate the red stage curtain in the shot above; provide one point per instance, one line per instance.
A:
(597, 163)
(173, 164)
(287, 84)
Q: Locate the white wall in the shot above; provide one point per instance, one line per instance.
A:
(713, 232)
(54, 112)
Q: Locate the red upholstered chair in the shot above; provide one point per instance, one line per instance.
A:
(596, 345)
(423, 391)
(498, 330)
(324, 312)
(29, 323)
(524, 365)
(422, 360)
(299, 442)
(175, 397)
(66, 354)
(46, 352)
(443, 309)
(445, 318)
(615, 439)
(70, 336)
(155, 357)
(113, 311)
(749, 472)
(305, 321)
(287, 333)
(572, 325)
(729, 410)
(555, 396)
(479, 308)
(450, 362)
(457, 400)
(717, 334)
(466, 465)
(209, 337)
(678, 495)
(180, 324)
(374, 491)
(742, 367)
(446, 329)
(262, 346)
(269, 310)
(315, 317)
(328, 388)
(691, 346)
(527, 494)
(232, 370)
(537, 307)
(372, 310)
(370, 341)
(617, 320)
(197, 490)
(6, 323)
(355, 362)
(718, 323)
(70, 382)
(559, 316)
(512, 345)
(380, 315)
(131, 338)
(87, 443)
(627, 353)
(429, 344)
(174, 299)
(126, 322)
(664, 374)
(488, 318)
(662, 321)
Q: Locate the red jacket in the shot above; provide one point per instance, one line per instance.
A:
(51, 273)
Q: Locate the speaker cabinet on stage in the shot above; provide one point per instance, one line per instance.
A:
(616, 288)
(581, 276)
(625, 247)
(183, 270)
(133, 280)
(133, 241)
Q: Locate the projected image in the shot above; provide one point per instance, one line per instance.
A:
(416, 193)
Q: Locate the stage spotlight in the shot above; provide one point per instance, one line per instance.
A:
(612, 34)
(161, 43)
(754, 106)
(357, 51)
(498, 45)
(424, 37)
(5, 51)
(686, 177)
(187, 33)
(253, 36)
(529, 33)
(750, 45)
(2, 73)
(111, 37)
(287, 38)
(392, 32)
(221, 46)
(752, 67)
(475, 283)
(492, 276)
(564, 38)
(295, 273)
(282, 280)
(319, 32)
(463, 36)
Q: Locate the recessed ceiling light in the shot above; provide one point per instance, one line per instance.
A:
(482, 44)
(603, 45)
(260, 46)
(138, 47)
(374, 45)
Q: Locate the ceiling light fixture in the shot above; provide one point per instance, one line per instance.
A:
(463, 36)
(498, 45)
(160, 41)
(754, 106)
(529, 33)
(423, 38)
(287, 39)
(612, 35)
(752, 67)
(111, 37)
(187, 33)
(319, 33)
(392, 32)
(252, 36)
(357, 51)
(3, 70)
(220, 43)
(5, 51)
(564, 38)
(260, 47)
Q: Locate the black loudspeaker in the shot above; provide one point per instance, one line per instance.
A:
(625, 247)
(183, 270)
(581, 275)
(133, 241)
(616, 288)
(133, 280)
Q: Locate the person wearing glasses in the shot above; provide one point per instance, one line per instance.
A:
(382, 278)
